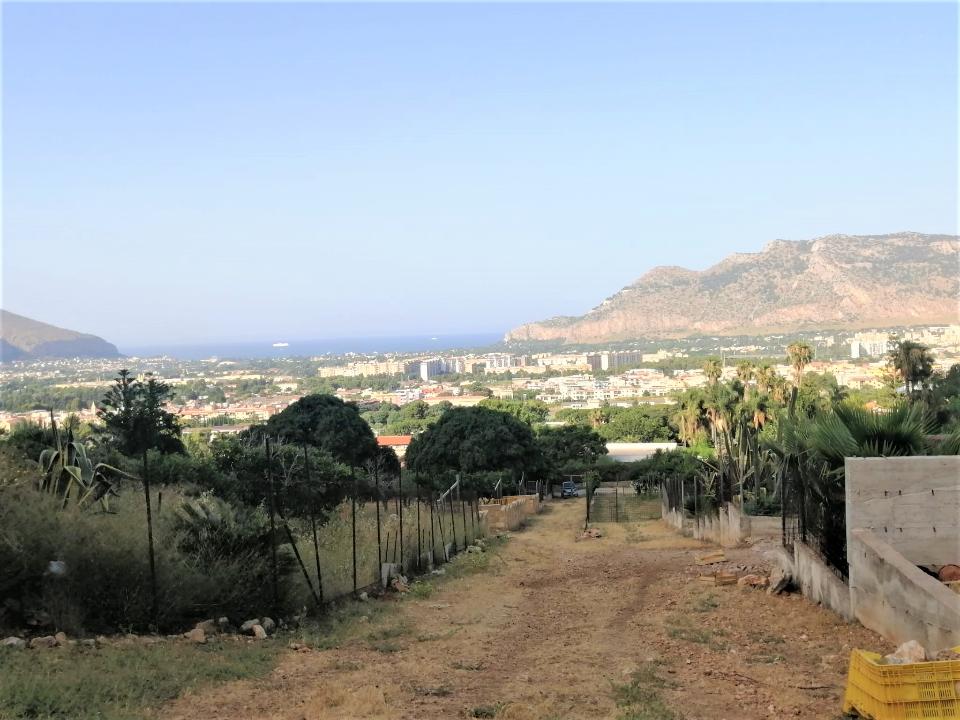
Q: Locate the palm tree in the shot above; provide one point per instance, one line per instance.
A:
(799, 354)
(745, 370)
(912, 363)
(765, 376)
(689, 416)
(713, 370)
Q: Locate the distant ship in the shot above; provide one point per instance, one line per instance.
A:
(281, 344)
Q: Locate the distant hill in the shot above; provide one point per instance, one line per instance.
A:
(23, 339)
(833, 282)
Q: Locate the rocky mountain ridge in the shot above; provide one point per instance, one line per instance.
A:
(832, 282)
(24, 339)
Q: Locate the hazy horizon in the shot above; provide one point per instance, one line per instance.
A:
(185, 174)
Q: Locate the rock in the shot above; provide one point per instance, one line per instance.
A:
(364, 597)
(268, 625)
(13, 642)
(61, 638)
(949, 573)
(247, 627)
(223, 624)
(197, 635)
(46, 641)
(909, 652)
(753, 580)
(209, 627)
(779, 581)
(474, 549)
(89, 642)
(259, 633)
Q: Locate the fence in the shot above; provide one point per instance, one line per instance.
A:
(815, 514)
(390, 526)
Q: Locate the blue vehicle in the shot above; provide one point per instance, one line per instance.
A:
(569, 489)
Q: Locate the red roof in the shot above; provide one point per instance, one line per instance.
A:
(394, 440)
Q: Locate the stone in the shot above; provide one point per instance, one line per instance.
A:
(13, 642)
(247, 627)
(364, 597)
(46, 641)
(949, 573)
(779, 581)
(909, 652)
(197, 635)
(61, 638)
(223, 624)
(268, 625)
(259, 633)
(89, 642)
(209, 627)
(754, 580)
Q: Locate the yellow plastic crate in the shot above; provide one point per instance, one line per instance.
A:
(914, 691)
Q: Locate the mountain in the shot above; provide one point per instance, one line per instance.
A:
(24, 339)
(832, 282)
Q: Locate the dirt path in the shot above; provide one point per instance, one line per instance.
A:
(553, 627)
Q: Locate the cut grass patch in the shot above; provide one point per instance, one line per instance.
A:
(120, 683)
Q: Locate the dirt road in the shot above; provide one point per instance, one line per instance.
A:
(616, 627)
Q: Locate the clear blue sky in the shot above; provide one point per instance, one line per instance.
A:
(182, 173)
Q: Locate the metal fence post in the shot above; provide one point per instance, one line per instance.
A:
(400, 504)
(353, 530)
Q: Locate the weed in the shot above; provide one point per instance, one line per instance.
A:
(421, 590)
(467, 665)
(386, 646)
(682, 628)
(706, 603)
(115, 683)
(429, 637)
(347, 665)
(640, 698)
(438, 691)
(486, 711)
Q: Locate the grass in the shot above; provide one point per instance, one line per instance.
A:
(682, 628)
(486, 711)
(339, 624)
(421, 590)
(706, 603)
(640, 698)
(119, 683)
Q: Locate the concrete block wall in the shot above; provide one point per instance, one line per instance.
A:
(729, 527)
(891, 596)
(911, 503)
(819, 583)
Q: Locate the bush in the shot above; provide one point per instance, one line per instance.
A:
(201, 571)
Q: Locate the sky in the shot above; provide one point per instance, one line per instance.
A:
(182, 173)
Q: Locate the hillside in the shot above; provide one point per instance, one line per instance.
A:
(833, 282)
(22, 339)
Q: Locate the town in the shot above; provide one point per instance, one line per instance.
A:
(218, 396)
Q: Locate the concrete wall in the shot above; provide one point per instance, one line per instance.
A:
(766, 526)
(911, 503)
(510, 512)
(727, 528)
(819, 583)
(891, 596)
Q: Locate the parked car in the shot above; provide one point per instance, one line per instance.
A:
(569, 489)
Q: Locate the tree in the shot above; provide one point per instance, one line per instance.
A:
(531, 412)
(134, 417)
(799, 355)
(745, 375)
(474, 439)
(913, 365)
(765, 377)
(325, 422)
(712, 369)
(569, 444)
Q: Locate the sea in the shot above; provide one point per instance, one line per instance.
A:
(313, 348)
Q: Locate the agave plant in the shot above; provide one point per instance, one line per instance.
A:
(68, 472)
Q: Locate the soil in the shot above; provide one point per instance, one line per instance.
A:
(552, 628)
